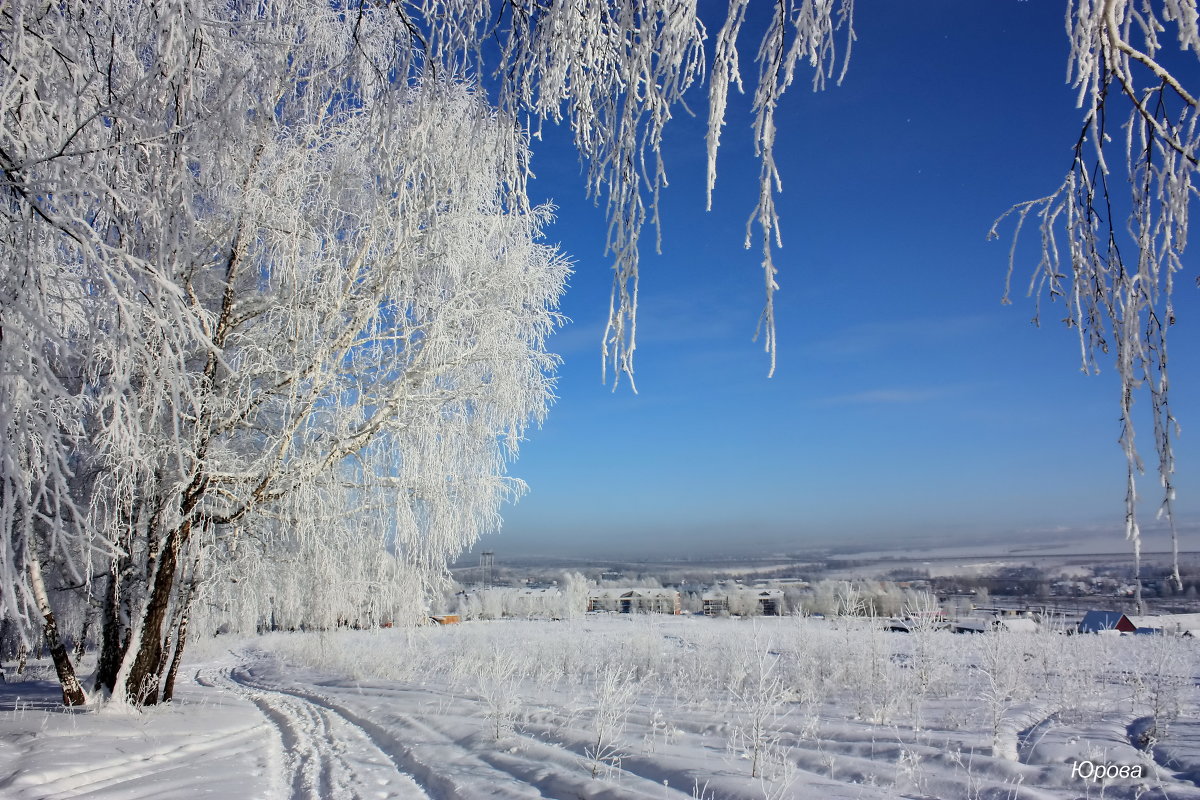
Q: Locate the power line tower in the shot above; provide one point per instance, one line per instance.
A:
(487, 564)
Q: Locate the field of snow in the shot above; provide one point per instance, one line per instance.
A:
(619, 707)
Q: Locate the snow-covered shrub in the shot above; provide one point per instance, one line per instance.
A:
(759, 704)
(614, 687)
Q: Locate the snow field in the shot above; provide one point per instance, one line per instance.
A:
(611, 707)
(791, 707)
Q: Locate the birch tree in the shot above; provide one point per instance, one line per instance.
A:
(258, 276)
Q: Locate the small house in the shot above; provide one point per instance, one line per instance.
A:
(1097, 621)
(715, 604)
(972, 624)
(635, 600)
(769, 602)
(1015, 624)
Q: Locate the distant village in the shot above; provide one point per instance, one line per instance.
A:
(1011, 598)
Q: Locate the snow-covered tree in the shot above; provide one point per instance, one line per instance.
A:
(575, 591)
(267, 294)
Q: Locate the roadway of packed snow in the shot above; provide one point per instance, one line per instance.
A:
(616, 707)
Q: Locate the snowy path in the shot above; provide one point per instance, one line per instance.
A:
(246, 727)
(446, 751)
(326, 754)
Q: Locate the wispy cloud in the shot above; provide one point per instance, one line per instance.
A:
(691, 318)
(893, 396)
(873, 337)
(575, 338)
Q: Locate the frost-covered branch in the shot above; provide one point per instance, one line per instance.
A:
(1117, 280)
(616, 73)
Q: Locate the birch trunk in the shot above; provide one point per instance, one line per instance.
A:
(73, 694)
(180, 640)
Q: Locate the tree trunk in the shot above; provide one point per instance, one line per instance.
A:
(146, 674)
(111, 650)
(81, 642)
(180, 641)
(71, 690)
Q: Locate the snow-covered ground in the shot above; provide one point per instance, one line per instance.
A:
(617, 707)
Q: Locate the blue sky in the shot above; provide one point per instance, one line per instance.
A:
(908, 403)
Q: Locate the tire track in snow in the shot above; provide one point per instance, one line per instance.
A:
(438, 784)
(456, 768)
(326, 754)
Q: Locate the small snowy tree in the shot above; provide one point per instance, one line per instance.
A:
(575, 591)
(742, 601)
(613, 690)
(928, 665)
(760, 704)
(1162, 672)
(498, 683)
(1001, 679)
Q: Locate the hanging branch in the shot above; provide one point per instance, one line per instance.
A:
(1118, 280)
